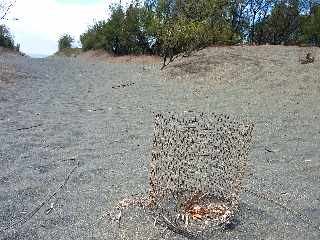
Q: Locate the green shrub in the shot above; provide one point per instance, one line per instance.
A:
(191, 26)
(174, 27)
(65, 41)
(311, 28)
(95, 37)
(126, 32)
(6, 39)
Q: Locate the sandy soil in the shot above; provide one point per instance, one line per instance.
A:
(60, 112)
(103, 56)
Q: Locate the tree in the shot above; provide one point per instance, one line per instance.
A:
(129, 31)
(238, 22)
(307, 7)
(174, 28)
(185, 26)
(311, 27)
(114, 30)
(281, 26)
(6, 39)
(148, 27)
(65, 41)
(256, 12)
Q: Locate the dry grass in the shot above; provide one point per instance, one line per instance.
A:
(69, 52)
(106, 57)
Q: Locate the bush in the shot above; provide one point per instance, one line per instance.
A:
(6, 39)
(95, 37)
(174, 27)
(311, 28)
(65, 41)
(126, 32)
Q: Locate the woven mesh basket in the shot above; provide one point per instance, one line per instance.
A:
(197, 168)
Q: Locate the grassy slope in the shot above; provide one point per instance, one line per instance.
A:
(69, 52)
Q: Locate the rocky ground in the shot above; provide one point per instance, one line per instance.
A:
(93, 118)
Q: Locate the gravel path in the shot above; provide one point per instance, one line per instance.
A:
(60, 112)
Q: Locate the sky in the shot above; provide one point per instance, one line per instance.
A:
(42, 22)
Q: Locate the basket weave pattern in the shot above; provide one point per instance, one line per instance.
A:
(197, 168)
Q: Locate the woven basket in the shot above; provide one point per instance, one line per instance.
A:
(199, 161)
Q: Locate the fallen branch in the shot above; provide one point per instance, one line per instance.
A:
(123, 85)
(308, 59)
(268, 149)
(7, 10)
(26, 128)
(29, 215)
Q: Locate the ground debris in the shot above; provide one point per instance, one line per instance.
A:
(30, 127)
(308, 59)
(123, 85)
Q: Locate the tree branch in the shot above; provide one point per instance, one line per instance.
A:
(7, 9)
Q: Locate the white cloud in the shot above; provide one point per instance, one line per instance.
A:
(42, 22)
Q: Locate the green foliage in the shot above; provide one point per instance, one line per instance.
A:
(282, 26)
(6, 39)
(181, 35)
(65, 41)
(126, 32)
(94, 38)
(185, 26)
(172, 27)
(286, 24)
(69, 52)
(311, 27)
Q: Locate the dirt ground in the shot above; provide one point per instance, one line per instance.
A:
(101, 55)
(63, 114)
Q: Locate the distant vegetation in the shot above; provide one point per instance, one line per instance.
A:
(6, 38)
(65, 42)
(171, 27)
(69, 52)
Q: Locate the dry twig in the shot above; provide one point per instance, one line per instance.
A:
(29, 215)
